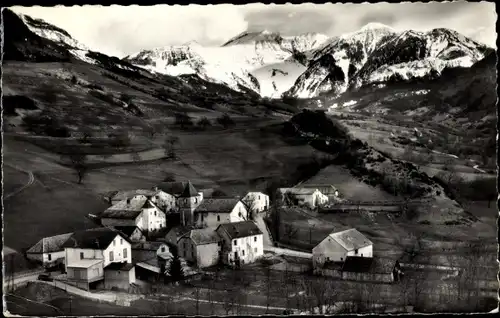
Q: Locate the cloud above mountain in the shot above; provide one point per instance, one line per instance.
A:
(111, 29)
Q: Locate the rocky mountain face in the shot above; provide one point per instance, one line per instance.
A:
(377, 54)
(250, 60)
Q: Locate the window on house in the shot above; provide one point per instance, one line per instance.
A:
(195, 200)
(235, 242)
(155, 213)
(121, 241)
(255, 238)
(81, 255)
(114, 243)
(218, 243)
(243, 252)
(202, 217)
(124, 253)
(111, 256)
(356, 251)
(50, 257)
(163, 249)
(239, 214)
(218, 218)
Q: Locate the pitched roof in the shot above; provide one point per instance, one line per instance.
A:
(219, 205)
(50, 244)
(376, 265)
(127, 210)
(127, 230)
(299, 191)
(203, 236)
(93, 239)
(189, 191)
(174, 188)
(123, 195)
(119, 266)
(351, 239)
(240, 229)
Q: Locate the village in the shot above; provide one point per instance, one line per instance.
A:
(174, 232)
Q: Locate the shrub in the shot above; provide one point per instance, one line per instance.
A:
(45, 125)
(225, 121)
(203, 123)
(183, 120)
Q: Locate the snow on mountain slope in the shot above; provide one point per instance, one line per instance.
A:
(277, 78)
(53, 33)
(239, 62)
(338, 60)
(376, 53)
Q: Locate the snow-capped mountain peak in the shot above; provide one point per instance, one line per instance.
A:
(376, 26)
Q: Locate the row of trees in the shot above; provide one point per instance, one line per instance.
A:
(185, 121)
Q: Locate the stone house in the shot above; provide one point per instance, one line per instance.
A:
(214, 211)
(163, 200)
(138, 211)
(201, 247)
(88, 252)
(133, 233)
(49, 251)
(242, 242)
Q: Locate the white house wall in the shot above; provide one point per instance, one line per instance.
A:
(117, 247)
(153, 219)
(252, 246)
(366, 251)
(53, 256)
(257, 200)
(73, 255)
(328, 250)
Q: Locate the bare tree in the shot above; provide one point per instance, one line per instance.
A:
(290, 232)
(169, 146)
(322, 295)
(77, 162)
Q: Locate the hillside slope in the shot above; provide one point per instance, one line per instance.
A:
(73, 90)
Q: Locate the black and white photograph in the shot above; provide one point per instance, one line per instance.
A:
(249, 159)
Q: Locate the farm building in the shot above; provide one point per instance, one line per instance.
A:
(201, 247)
(256, 201)
(336, 247)
(327, 189)
(119, 276)
(374, 269)
(303, 197)
(138, 211)
(133, 233)
(242, 242)
(88, 252)
(165, 201)
(49, 251)
(215, 211)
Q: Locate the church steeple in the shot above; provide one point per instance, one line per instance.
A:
(189, 191)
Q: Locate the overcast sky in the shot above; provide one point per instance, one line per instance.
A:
(119, 31)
